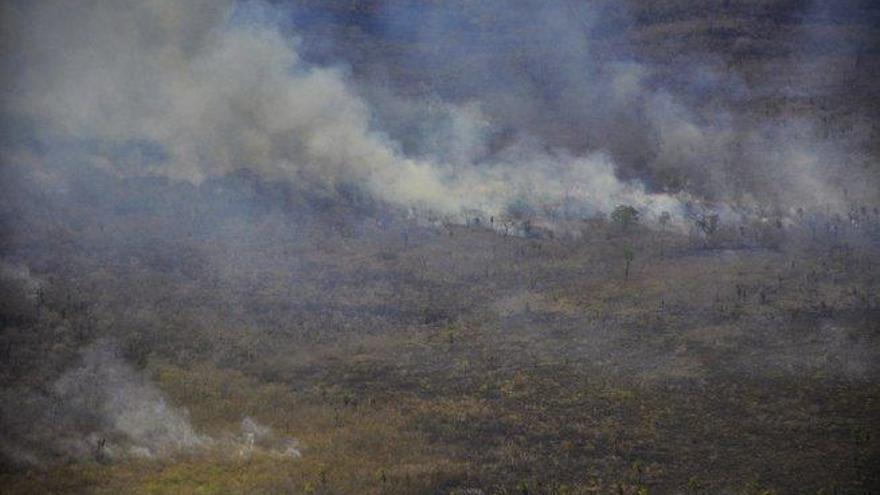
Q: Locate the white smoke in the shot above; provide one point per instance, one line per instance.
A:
(211, 87)
(103, 410)
(256, 437)
(100, 409)
(126, 406)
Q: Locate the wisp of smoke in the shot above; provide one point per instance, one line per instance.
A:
(100, 409)
(103, 410)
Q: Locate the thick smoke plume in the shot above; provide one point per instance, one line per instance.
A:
(199, 89)
(549, 105)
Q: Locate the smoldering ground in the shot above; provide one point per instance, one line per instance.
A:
(101, 409)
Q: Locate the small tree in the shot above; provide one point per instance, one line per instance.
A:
(625, 216)
(665, 219)
(628, 256)
(708, 224)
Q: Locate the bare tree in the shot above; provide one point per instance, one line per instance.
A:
(628, 256)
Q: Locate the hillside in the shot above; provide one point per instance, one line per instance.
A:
(178, 317)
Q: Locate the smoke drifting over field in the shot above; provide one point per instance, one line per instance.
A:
(514, 106)
(455, 247)
(101, 408)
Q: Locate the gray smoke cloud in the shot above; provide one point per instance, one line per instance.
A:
(198, 89)
(212, 93)
(740, 124)
(545, 105)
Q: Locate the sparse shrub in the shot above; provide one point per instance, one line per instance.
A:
(708, 224)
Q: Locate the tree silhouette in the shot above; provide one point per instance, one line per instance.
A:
(625, 216)
(628, 256)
